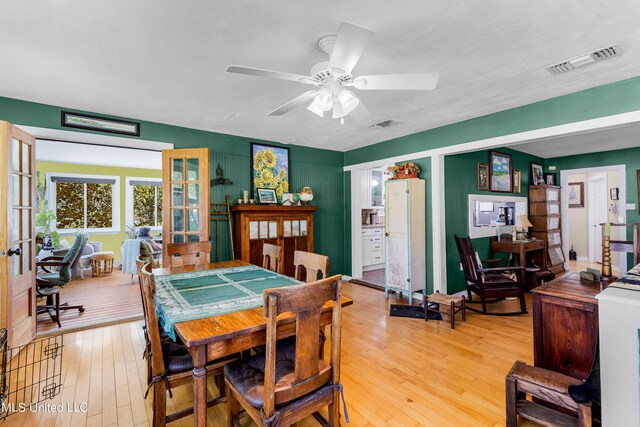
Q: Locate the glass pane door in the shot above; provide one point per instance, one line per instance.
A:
(18, 225)
(185, 184)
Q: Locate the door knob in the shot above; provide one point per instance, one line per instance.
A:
(14, 252)
(386, 234)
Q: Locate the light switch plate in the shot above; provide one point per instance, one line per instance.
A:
(631, 206)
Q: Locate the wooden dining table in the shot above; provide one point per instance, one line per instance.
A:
(214, 337)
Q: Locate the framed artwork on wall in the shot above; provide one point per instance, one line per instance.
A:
(500, 172)
(537, 174)
(550, 178)
(483, 177)
(614, 193)
(267, 196)
(270, 168)
(576, 194)
(517, 181)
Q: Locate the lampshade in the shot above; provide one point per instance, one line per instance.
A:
(338, 112)
(324, 100)
(348, 101)
(523, 222)
(315, 110)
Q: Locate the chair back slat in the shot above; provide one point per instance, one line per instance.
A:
(191, 253)
(467, 257)
(139, 265)
(305, 302)
(149, 289)
(312, 264)
(272, 258)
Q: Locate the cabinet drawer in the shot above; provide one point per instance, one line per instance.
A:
(545, 223)
(367, 232)
(377, 258)
(377, 231)
(551, 208)
(376, 239)
(376, 246)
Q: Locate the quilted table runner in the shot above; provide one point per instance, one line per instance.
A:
(630, 280)
(200, 294)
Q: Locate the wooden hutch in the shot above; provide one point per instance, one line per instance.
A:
(290, 227)
(544, 214)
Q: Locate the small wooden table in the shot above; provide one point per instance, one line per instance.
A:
(218, 336)
(522, 248)
(565, 325)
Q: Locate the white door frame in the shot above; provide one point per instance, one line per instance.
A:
(564, 182)
(591, 211)
(438, 243)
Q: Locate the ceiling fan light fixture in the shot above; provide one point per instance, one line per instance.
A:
(315, 110)
(348, 101)
(324, 100)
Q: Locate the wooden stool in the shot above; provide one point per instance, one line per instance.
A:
(101, 263)
(455, 303)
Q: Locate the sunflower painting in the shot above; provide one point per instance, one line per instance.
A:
(270, 168)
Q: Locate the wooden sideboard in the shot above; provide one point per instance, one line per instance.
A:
(565, 325)
(290, 227)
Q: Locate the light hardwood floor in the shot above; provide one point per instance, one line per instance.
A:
(395, 371)
(107, 300)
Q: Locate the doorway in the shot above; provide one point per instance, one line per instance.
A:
(597, 194)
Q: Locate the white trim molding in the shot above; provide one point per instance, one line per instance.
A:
(115, 201)
(129, 200)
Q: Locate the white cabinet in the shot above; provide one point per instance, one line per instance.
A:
(405, 268)
(373, 248)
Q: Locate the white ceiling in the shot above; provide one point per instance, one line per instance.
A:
(165, 61)
(609, 139)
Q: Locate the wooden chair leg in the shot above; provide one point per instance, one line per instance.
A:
(426, 308)
(512, 402)
(584, 416)
(159, 404)
(464, 313)
(453, 315)
(233, 407)
(334, 410)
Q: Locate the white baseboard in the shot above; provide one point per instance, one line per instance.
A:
(583, 258)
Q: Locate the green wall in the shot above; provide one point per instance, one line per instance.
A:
(629, 157)
(319, 169)
(606, 100)
(111, 241)
(460, 172)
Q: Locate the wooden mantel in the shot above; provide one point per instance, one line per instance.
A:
(272, 208)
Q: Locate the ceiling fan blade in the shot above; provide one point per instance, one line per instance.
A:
(238, 69)
(361, 113)
(351, 42)
(295, 102)
(411, 81)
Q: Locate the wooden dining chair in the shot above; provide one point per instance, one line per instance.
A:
(272, 258)
(289, 382)
(171, 363)
(312, 264)
(191, 253)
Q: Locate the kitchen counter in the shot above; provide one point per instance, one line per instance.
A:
(373, 226)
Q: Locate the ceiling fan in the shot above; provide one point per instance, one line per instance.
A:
(333, 78)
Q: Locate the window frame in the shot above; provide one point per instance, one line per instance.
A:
(115, 202)
(129, 200)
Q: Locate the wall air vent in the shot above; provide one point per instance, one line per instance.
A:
(384, 124)
(585, 59)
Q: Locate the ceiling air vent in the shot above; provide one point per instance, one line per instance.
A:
(384, 124)
(586, 59)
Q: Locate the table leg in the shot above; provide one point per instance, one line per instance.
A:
(199, 355)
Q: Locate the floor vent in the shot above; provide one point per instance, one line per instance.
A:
(384, 124)
(585, 59)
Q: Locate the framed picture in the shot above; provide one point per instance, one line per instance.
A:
(483, 177)
(267, 196)
(576, 194)
(102, 124)
(517, 181)
(537, 174)
(270, 168)
(500, 172)
(614, 193)
(550, 178)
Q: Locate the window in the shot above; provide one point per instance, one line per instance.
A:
(144, 202)
(85, 202)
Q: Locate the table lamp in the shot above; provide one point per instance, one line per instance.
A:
(523, 224)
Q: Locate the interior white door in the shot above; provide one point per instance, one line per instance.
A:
(397, 234)
(598, 208)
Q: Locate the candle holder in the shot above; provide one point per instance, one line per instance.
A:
(607, 275)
